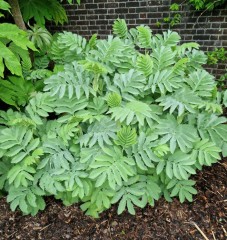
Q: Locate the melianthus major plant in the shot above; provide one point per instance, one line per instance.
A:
(114, 125)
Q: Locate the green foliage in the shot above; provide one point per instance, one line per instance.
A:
(184, 189)
(174, 16)
(112, 125)
(16, 91)
(174, 7)
(114, 100)
(73, 80)
(206, 152)
(145, 64)
(120, 28)
(43, 10)
(144, 36)
(12, 37)
(217, 55)
(67, 47)
(126, 137)
(4, 6)
(222, 80)
(40, 37)
(208, 5)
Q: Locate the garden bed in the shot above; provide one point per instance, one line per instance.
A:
(206, 213)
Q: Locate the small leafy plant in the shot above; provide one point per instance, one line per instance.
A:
(174, 17)
(217, 55)
(113, 125)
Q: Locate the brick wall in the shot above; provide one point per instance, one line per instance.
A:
(97, 16)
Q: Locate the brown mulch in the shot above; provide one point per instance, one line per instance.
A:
(205, 218)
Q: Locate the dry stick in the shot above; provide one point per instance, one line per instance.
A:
(197, 227)
(224, 230)
(45, 227)
(213, 235)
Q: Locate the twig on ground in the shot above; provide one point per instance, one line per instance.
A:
(213, 235)
(199, 229)
(45, 227)
(224, 231)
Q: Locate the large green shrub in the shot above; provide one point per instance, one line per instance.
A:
(115, 125)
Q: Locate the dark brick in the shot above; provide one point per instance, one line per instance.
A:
(112, 16)
(81, 11)
(111, 11)
(142, 15)
(131, 10)
(217, 19)
(223, 12)
(101, 5)
(91, 6)
(188, 37)
(142, 21)
(132, 16)
(142, 4)
(121, 10)
(101, 11)
(76, 17)
(222, 37)
(132, 21)
(82, 17)
(215, 25)
(200, 37)
(101, 22)
(212, 31)
(223, 25)
(163, 9)
(92, 17)
(122, 5)
(82, 22)
(141, 9)
(200, 31)
(221, 66)
(105, 32)
(102, 16)
(132, 4)
(111, 5)
(102, 27)
(214, 37)
(154, 15)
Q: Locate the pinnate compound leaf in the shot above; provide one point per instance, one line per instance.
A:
(126, 136)
(206, 153)
(120, 28)
(181, 135)
(112, 166)
(144, 36)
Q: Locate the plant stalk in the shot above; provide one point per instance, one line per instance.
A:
(17, 16)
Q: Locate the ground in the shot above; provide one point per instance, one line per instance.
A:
(204, 218)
